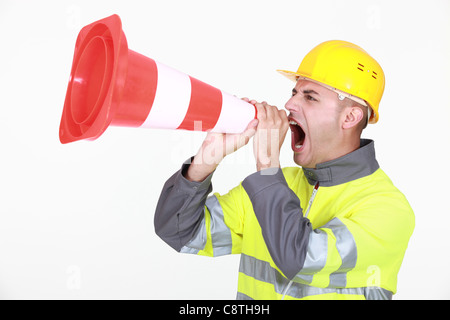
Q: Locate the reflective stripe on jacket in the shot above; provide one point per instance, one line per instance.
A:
(350, 246)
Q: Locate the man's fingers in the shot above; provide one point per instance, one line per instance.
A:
(252, 125)
(261, 111)
(249, 132)
(270, 111)
(269, 115)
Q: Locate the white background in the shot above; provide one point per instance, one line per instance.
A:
(76, 220)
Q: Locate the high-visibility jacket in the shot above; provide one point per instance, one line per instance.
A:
(350, 245)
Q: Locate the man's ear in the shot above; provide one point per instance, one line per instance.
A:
(353, 115)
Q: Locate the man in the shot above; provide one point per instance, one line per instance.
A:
(336, 228)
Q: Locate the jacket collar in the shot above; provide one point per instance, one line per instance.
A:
(352, 166)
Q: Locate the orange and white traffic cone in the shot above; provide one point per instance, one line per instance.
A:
(112, 85)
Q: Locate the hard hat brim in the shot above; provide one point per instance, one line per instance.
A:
(295, 76)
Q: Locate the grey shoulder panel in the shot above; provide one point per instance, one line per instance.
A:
(277, 208)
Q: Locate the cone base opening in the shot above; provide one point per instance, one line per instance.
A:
(88, 81)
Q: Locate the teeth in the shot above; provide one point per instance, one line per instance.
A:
(298, 146)
(293, 123)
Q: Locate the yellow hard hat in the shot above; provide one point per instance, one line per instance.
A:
(345, 68)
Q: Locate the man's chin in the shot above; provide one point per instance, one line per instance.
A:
(300, 160)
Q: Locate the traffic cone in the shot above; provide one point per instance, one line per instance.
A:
(112, 85)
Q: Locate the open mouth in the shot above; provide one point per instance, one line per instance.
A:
(298, 136)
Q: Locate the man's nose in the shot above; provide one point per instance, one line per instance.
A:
(291, 106)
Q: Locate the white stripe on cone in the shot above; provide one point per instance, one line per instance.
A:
(235, 115)
(173, 94)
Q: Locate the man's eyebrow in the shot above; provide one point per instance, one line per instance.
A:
(310, 92)
(294, 91)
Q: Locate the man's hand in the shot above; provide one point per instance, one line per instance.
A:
(271, 131)
(215, 147)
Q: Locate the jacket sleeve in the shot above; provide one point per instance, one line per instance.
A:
(190, 221)
(180, 208)
(284, 229)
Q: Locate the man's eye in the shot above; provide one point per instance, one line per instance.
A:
(310, 98)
